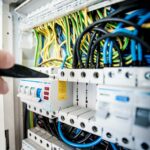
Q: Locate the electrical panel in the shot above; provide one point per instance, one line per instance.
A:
(97, 56)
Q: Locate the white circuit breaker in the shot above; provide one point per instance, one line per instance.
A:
(124, 115)
(46, 140)
(28, 144)
(45, 95)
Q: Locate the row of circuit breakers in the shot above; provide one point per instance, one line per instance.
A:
(112, 103)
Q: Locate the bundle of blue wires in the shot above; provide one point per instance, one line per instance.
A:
(128, 17)
(133, 42)
(77, 145)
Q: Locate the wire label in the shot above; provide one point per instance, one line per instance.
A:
(62, 90)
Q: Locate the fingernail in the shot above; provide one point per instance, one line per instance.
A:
(5, 88)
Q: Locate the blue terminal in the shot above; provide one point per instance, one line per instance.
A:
(38, 93)
(122, 98)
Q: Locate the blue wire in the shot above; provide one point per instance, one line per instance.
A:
(128, 17)
(121, 30)
(113, 146)
(140, 56)
(110, 52)
(105, 52)
(63, 63)
(133, 43)
(76, 144)
(133, 47)
(40, 60)
(142, 20)
(77, 131)
(147, 56)
(128, 32)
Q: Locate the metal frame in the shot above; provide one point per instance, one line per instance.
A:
(7, 116)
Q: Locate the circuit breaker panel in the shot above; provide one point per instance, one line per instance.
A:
(97, 56)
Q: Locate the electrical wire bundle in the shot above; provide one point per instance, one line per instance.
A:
(123, 44)
(96, 39)
(56, 40)
(72, 136)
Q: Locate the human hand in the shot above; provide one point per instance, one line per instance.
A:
(6, 61)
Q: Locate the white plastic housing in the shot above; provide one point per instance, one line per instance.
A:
(45, 94)
(45, 140)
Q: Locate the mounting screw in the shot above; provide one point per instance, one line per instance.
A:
(47, 112)
(62, 118)
(82, 125)
(125, 140)
(83, 74)
(47, 145)
(147, 75)
(94, 128)
(128, 75)
(72, 74)
(145, 146)
(71, 121)
(108, 135)
(96, 75)
(111, 75)
(62, 74)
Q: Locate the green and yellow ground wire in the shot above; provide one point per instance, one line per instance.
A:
(51, 54)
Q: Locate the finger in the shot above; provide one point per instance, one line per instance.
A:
(6, 60)
(3, 86)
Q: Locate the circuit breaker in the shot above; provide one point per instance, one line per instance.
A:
(45, 96)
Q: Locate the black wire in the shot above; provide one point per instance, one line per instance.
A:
(89, 50)
(92, 52)
(75, 58)
(26, 118)
(77, 135)
(105, 20)
(124, 9)
(120, 54)
(88, 135)
(100, 30)
(41, 122)
(50, 128)
(128, 6)
(55, 127)
(98, 57)
(47, 125)
(70, 130)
